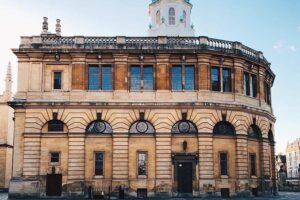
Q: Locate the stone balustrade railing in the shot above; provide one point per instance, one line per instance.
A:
(53, 42)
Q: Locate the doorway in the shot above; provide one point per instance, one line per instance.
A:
(185, 177)
(54, 185)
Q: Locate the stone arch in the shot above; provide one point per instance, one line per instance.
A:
(184, 127)
(142, 127)
(224, 128)
(254, 131)
(99, 127)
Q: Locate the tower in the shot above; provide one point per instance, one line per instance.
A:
(8, 83)
(170, 18)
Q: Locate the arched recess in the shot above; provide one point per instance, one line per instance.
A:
(254, 132)
(99, 127)
(141, 127)
(55, 126)
(271, 136)
(224, 128)
(158, 20)
(184, 127)
(172, 16)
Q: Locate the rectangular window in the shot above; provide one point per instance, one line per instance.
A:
(223, 164)
(142, 163)
(106, 79)
(246, 84)
(99, 158)
(148, 77)
(267, 93)
(93, 77)
(135, 77)
(57, 81)
(215, 79)
(253, 164)
(226, 73)
(254, 85)
(189, 77)
(176, 77)
(54, 157)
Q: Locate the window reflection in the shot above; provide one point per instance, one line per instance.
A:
(176, 77)
(189, 77)
(93, 77)
(215, 79)
(226, 73)
(148, 77)
(106, 74)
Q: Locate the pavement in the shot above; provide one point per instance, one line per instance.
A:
(281, 196)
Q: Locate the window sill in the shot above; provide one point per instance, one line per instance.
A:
(142, 176)
(98, 177)
(99, 90)
(224, 177)
(54, 163)
(254, 177)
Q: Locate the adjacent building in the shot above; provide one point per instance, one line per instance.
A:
(6, 132)
(293, 158)
(151, 116)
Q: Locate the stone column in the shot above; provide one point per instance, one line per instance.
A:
(261, 84)
(242, 169)
(238, 76)
(32, 154)
(206, 164)
(163, 170)
(162, 72)
(121, 78)
(76, 160)
(18, 153)
(203, 72)
(120, 161)
(273, 167)
(264, 162)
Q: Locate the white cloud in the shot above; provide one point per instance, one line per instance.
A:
(278, 45)
(293, 48)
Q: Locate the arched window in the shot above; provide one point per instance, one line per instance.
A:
(224, 128)
(184, 18)
(142, 127)
(158, 17)
(99, 127)
(254, 131)
(184, 127)
(271, 136)
(55, 126)
(172, 16)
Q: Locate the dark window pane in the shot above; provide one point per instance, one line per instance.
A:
(55, 157)
(135, 74)
(253, 164)
(246, 84)
(215, 79)
(223, 163)
(254, 85)
(148, 77)
(106, 73)
(267, 93)
(176, 77)
(93, 77)
(189, 76)
(99, 164)
(142, 164)
(57, 80)
(55, 126)
(226, 79)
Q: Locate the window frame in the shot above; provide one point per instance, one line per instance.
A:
(221, 85)
(146, 160)
(172, 18)
(220, 164)
(267, 92)
(100, 65)
(253, 172)
(61, 79)
(183, 78)
(55, 131)
(103, 164)
(142, 81)
(50, 158)
(250, 85)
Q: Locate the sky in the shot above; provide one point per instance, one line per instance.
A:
(271, 26)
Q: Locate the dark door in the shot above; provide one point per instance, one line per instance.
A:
(54, 185)
(185, 177)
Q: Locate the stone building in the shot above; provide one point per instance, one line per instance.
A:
(293, 158)
(6, 133)
(153, 116)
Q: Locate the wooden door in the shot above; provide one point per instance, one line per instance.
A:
(54, 185)
(185, 177)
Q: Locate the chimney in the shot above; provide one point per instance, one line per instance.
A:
(45, 26)
(58, 27)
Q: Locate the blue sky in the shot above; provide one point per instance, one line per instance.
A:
(271, 26)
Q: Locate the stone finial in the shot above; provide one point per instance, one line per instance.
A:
(45, 25)
(58, 27)
(8, 79)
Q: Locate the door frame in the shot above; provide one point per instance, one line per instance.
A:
(184, 158)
